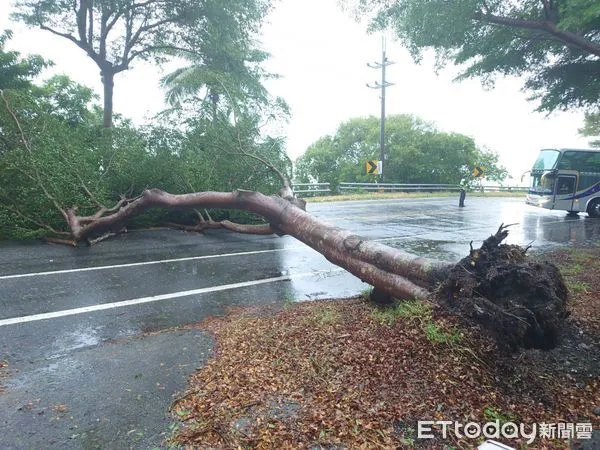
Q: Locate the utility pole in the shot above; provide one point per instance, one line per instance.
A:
(382, 65)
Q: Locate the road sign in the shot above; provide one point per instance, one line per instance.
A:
(374, 167)
(477, 171)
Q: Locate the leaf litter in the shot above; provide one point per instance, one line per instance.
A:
(344, 373)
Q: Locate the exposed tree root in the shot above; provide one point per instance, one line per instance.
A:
(519, 303)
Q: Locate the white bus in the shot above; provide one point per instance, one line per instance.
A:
(566, 179)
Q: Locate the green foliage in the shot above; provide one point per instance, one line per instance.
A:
(224, 69)
(554, 44)
(414, 310)
(591, 127)
(491, 413)
(436, 334)
(326, 315)
(417, 153)
(579, 287)
(15, 72)
(420, 313)
(55, 154)
(120, 30)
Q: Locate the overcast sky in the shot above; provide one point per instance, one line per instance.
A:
(321, 54)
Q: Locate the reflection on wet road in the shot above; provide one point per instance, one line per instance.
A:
(438, 228)
(96, 362)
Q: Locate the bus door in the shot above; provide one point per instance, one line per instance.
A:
(564, 191)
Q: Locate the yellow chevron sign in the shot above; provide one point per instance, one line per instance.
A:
(374, 167)
(477, 171)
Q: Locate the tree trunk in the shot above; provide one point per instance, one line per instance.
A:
(214, 100)
(518, 303)
(108, 80)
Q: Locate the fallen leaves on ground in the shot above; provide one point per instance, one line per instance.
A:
(346, 374)
(60, 408)
(581, 270)
(4, 373)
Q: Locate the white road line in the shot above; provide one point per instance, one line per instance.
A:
(146, 263)
(156, 298)
(160, 261)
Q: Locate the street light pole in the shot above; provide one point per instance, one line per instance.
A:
(382, 65)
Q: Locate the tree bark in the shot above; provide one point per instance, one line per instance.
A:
(393, 271)
(108, 80)
(545, 26)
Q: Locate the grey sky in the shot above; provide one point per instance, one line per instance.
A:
(321, 54)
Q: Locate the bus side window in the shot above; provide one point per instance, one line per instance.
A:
(566, 162)
(594, 163)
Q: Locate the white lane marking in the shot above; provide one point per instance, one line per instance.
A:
(162, 261)
(156, 298)
(146, 263)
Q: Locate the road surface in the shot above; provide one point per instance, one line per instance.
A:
(88, 365)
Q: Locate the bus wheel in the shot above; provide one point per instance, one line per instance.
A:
(593, 208)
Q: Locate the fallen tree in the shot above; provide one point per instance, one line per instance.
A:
(519, 303)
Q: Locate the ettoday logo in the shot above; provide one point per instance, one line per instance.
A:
(507, 430)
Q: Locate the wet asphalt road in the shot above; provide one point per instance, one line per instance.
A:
(104, 378)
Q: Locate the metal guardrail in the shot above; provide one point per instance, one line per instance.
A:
(502, 188)
(402, 187)
(312, 188)
(324, 188)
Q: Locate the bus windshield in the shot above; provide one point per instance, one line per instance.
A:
(542, 184)
(546, 160)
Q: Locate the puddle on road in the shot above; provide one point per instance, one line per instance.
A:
(30, 379)
(80, 338)
(427, 248)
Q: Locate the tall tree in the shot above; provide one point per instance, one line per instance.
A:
(113, 33)
(555, 44)
(417, 152)
(227, 69)
(222, 77)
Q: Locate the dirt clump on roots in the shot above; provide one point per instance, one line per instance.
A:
(519, 303)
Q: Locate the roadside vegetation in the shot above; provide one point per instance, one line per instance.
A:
(348, 373)
(56, 151)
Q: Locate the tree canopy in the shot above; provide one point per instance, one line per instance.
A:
(224, 70)
(554, 44)
(114, 33)
(417, 153)
(53, 153)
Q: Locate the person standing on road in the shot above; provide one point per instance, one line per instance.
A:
(465, 185)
